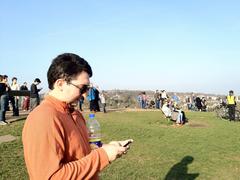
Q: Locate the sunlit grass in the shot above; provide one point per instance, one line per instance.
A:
(206, 148)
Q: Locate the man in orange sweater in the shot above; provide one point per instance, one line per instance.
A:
(55, 137)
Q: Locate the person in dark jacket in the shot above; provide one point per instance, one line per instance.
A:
(3, 100)
(199, 103)
(34, 96)
(96, 100)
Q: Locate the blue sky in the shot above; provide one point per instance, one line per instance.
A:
(173, 45)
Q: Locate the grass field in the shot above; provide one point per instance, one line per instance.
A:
(206, 148)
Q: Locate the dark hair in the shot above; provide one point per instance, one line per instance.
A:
(1, 77)
(67, 66)
(5, 76)
(37, 80)
(14, 78)
(231, 91)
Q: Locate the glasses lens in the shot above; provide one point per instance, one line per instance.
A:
(84, 89)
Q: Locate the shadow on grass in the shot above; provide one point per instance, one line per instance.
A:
(180, 170)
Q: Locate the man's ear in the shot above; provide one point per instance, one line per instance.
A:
(59, 84)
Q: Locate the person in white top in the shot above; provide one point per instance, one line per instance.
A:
(14, 85)
(164, 94)
(103, 101)
(14, 99)
(166, 110)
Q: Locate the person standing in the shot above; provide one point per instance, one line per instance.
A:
(91, 98)
(55, 137)
(144, 100)
(231, 103)
(175, 99)
(198, 103)
(103, 101)
(96, 100)
(163, 96)
(157, 99)
(15, 99)
(139, 99)
(26, 99)
(3, 101)
(34, 96)
(81, 101)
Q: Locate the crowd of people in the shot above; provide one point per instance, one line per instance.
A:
(170, 106)
(32, 100)
(145, 102)
(66, 154)
(97, 99)
(196, 103)
(10, 102)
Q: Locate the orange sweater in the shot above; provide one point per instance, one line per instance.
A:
(56, 144)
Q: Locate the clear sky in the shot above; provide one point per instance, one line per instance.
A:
(185, 45)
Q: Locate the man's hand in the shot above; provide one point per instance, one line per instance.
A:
(115, 149)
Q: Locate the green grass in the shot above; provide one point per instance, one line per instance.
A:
(12, 164)
(207, 148)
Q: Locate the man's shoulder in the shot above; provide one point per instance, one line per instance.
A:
(44, 111)
(42, 121)
(43, 118)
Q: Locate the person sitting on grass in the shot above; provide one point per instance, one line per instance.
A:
(166, 110)
(181, 117)
(176, 114)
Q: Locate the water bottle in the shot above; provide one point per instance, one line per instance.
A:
(94, 131)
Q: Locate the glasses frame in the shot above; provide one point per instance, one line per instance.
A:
(83, 89)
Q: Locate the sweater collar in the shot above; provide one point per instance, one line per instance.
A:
(61, 105)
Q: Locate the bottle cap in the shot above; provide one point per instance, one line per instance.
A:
(91, 115)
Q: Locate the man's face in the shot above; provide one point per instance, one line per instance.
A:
(14, 81)
(5, 80)
(71, 91)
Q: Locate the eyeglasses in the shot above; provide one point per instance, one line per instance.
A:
(82, 89)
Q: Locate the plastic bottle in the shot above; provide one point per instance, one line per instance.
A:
(94, 131)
